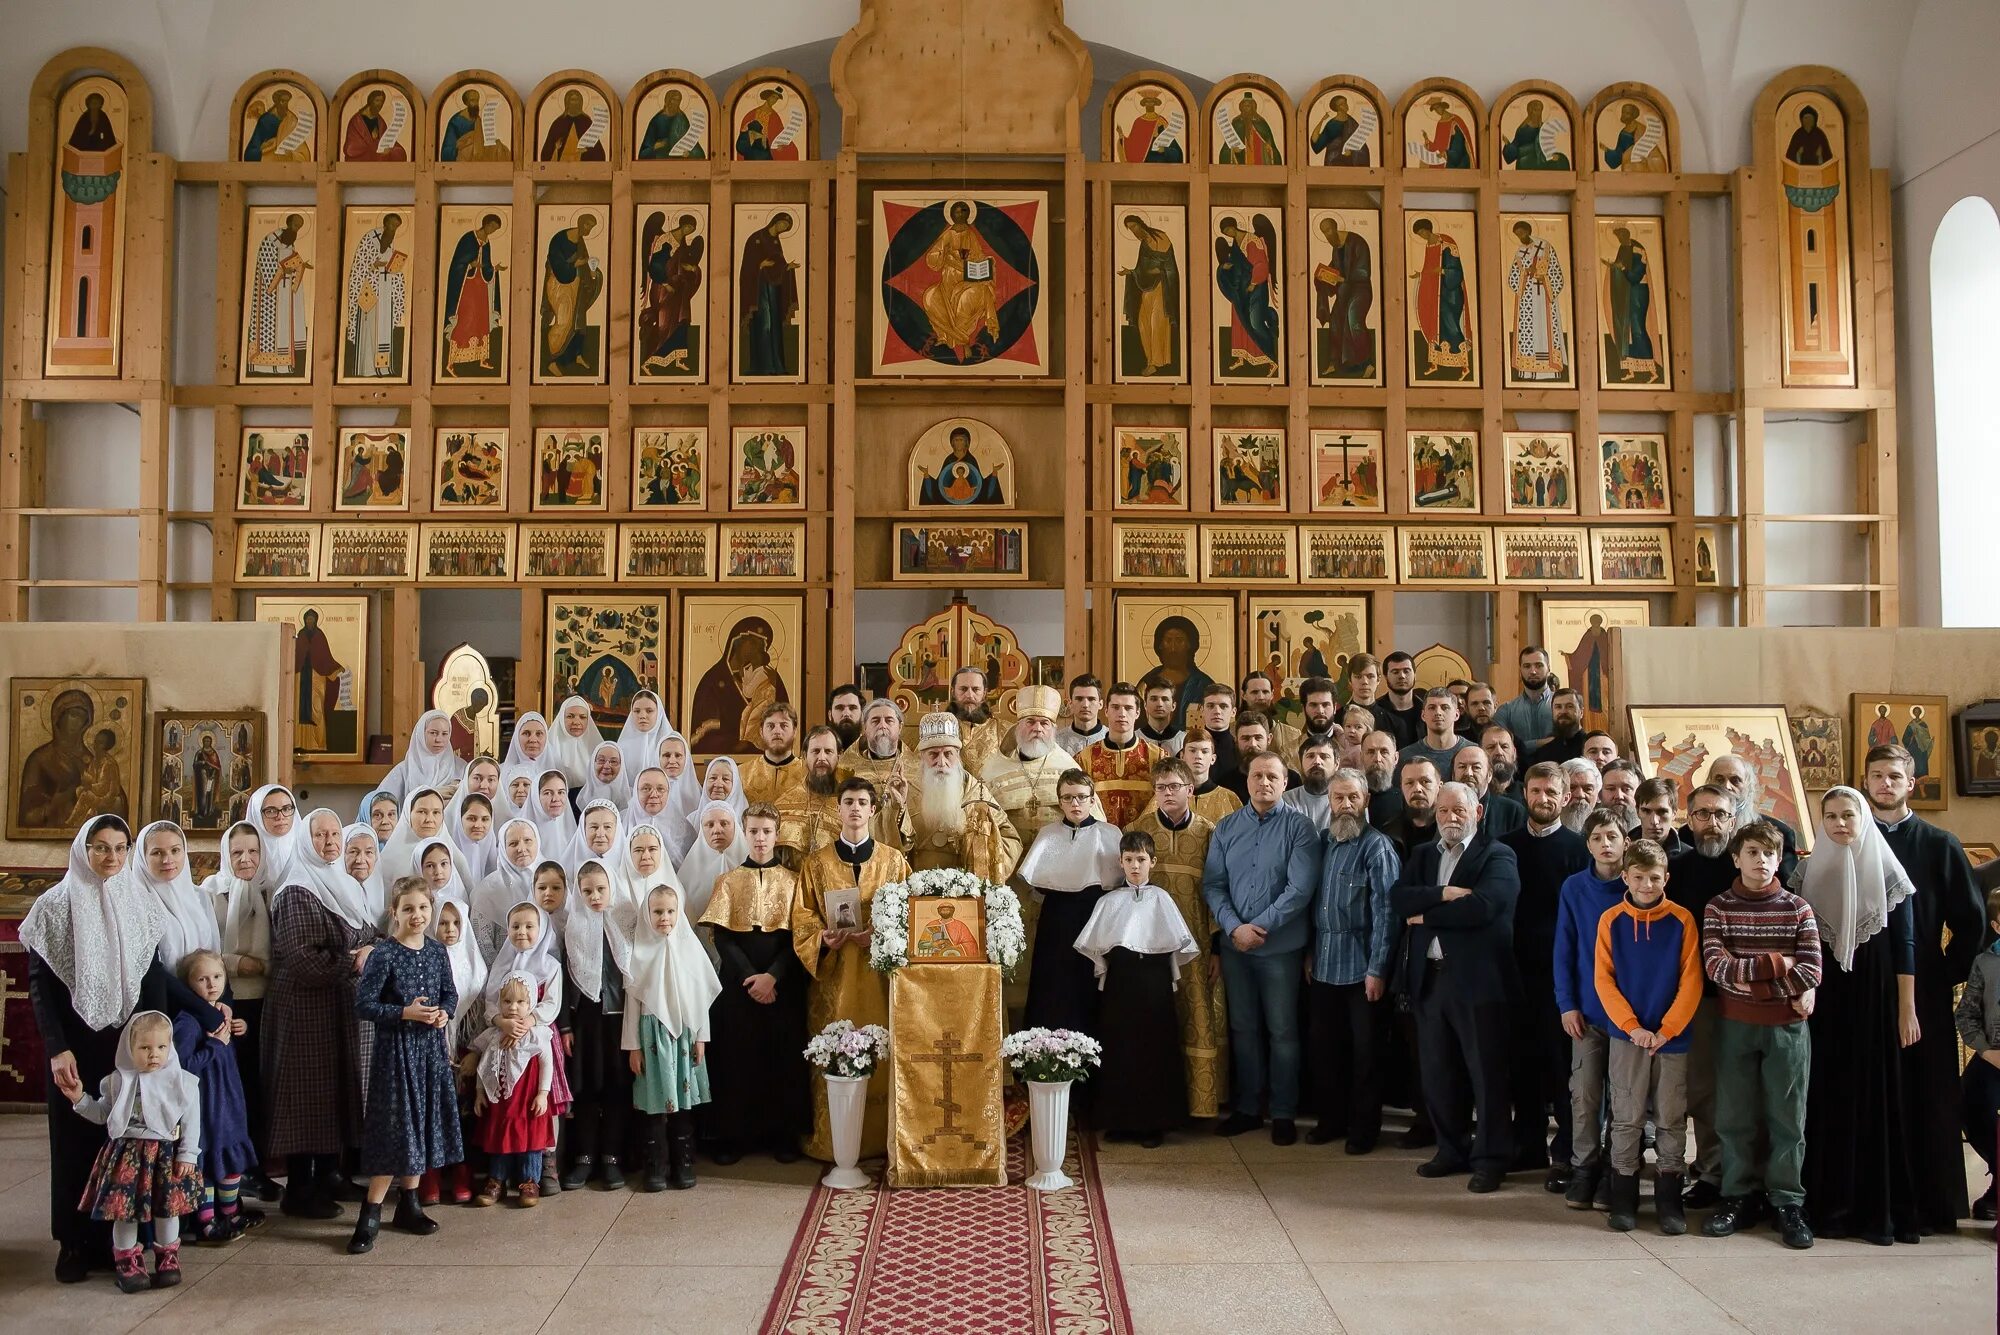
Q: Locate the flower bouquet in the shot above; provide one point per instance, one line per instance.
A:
(1049, 1056)
(842, 1050)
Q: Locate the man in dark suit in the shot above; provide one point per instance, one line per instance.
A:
(1455, 900)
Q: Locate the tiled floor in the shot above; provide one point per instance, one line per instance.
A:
(1212, 1235)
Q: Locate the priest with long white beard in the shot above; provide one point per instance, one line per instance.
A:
(952, 819)
(880, 757)
(1025, 782)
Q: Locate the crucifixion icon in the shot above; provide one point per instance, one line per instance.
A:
(947, 1058)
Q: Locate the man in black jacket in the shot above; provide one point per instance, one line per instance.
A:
(1455, 900)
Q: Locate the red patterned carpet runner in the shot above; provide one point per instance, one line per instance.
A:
(977, 1260)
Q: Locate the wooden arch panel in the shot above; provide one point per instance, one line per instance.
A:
(1246, 137)
(488, 130)
(264, 116)
(574, 119)
(1371, 143)
(1559, 142)
(1633, 128)
(771, 116)
(353, 136)
(648, 102)
(1133, 131)
(1430, 139)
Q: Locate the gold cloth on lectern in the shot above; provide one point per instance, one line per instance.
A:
(946, 1076)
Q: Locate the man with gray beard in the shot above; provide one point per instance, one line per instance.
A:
(1694, 877)
(1498, 744)
(953, 819)
(1500, 815)
(1347, 1012)
(1378, 768)
(1316, 756)
(1735, 777)
(880, 757)
(1025, 782)
(1619, 792)
(1585, 783)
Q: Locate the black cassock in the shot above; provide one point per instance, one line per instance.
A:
(1946, 898)
(1859, 1177)
(1062, 990)
(1142, 1085)
(758, 1082)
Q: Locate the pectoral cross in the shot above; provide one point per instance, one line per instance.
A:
(946, 1058)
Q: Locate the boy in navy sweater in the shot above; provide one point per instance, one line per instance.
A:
(1586, 897)
(1649, 983)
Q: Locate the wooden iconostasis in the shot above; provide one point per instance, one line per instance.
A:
(1256, 357)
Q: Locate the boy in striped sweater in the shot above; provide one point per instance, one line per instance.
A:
(1649, 981)
(1760, 946)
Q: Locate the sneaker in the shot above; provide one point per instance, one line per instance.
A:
(1727, 1218)
(1701, 1195)
(130, 1265)
(1792, 1228)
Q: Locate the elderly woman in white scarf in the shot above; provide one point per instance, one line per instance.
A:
(322, 928)
(92, 940)
(428, 761)
(525, 750)
(1858, 1175)
(509, 883)
(607, 779)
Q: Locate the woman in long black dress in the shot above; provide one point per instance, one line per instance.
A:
(1138, 943)
(1859, 1177)
(91, 941)
(757, 1069)
(321, 929)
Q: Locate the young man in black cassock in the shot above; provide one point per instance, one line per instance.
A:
(1947, 899)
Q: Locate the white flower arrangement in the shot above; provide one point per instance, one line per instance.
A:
(841, 1049)
(1051, 1055)
(1006, 937)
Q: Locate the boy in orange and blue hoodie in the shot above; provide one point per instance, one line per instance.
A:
(1649, 981)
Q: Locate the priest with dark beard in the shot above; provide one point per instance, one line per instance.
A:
(809, 812)
(843, 713)
(1947, 899)
(979, 732)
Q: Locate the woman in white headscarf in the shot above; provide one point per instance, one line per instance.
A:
(643, 865)
(599, 834)
(470, 824)
(607, 779)
(91, 940)
(243, 920)
(573, 740)
(428, 761)
(435, 866)
(525, 750)
(516, 798)
(380, 811)
(451, 927)
(510, 882)
(645, 726)
(322, 927)
(423, 820)
(1859, 1177)
(161, 870)
(666, 1024)
(361, 857)
(718, 850)
(684, 802)
(651, 795)
(274, 810)
(554, 820)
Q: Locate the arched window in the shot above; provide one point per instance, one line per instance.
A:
(1965, 291)
(86, 238)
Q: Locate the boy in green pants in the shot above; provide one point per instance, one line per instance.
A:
(1760, 947)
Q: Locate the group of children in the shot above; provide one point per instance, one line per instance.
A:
(1630, 966)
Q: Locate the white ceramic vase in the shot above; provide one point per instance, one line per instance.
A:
(1048, 1121)
(846, 1106)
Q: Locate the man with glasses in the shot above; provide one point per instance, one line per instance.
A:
(1701, 872)
(1733, 775)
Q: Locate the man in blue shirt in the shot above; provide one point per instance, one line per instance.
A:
(1347, 1016)
(1527, 715)
(1258, 880)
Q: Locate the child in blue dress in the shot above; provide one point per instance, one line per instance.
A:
(146, 1172)
(665, 1034)
(226, 1152)
(406, 991)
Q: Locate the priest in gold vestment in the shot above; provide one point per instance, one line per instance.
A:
(1180, 844)
(1025, 782)
(1121, 762)
(809, 813)
(880, 757)
(772, 776)
(952, 819)
(845, 986)
(979, 733)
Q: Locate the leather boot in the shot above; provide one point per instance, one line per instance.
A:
(680, 1143)
(166, 1265)
(1624, 1212)
(324, 1203)
(299, 1177)
(365, 1229)
(410, 1216)
(614, 1177)
(1667, 1204)
(130, 1263)
(430, 1188)
(460, 1177)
